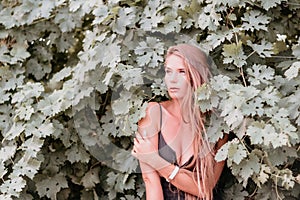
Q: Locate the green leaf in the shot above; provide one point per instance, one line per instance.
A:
(286, 179)
(209, 18)
(120, 106)
(38, 69)
(81, 91)
(281, 121)
(263, 50)
(32, 146)
(255, 20)
(28, 91)
(120, 181)
(217, 128)
(296, 49)
(4, 54)
(158, 87)
(236, 192)
(125, 162)
(231, 3)
(281, 155)
(46, 8)
(255, 131)
(263, 175)
(247, 167)
(172, 23)
(7, 18)
(91, 178)
(267, 4)
(6, 118)
(222, 153)
(27, 167)
(293, 71)
(270, 95)
(234, 118)
(233, 53)
(3, 170)
(67, 20)
(204, 92)
(150, 52)
(126, 18)
(111, 55)
(151, 16)
(261, 133)
(206, 100)
(101, 12)
(39, 127)
(25, 112)
(236, 152)
(19, 53)
(220, 82)
(267, 193)
(279, 46)
(62, 74)
(261, 74)
(11, 78)
(51, 186)
(7, 152)
(12, 187)
(83, 7)
(254, 107)
(109, 126)
(15, 130)
(77, 154)
(130, 76)
(216, 39)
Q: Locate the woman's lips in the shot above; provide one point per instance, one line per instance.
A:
(173, 89)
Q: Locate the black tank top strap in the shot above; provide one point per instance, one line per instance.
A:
(160, 124)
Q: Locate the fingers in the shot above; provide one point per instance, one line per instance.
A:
(135, 146)
(139, 136)
(136, 141)
(133, 153)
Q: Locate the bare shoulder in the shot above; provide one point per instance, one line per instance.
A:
(152, 116)
(153, 110)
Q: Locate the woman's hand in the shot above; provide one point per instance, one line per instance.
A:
(144, 150)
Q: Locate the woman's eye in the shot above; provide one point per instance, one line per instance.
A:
(182, 71)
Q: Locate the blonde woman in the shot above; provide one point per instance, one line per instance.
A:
(176, 160)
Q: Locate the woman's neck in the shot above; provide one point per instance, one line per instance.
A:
(177, 108)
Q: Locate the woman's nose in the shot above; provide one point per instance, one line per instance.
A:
(174, 77)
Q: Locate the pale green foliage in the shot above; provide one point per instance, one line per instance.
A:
(255, 20)
(234, 53)
(50, 186)
(76, 77)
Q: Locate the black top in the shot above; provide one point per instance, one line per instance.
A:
(170, 192)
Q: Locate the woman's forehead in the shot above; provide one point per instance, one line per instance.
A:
(175, 62)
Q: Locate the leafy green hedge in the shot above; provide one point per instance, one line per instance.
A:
(76, 76)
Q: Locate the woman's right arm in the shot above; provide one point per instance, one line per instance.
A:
(148, 127)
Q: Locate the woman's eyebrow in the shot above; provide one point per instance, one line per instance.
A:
(177, 68)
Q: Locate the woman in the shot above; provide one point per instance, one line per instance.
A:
(176, 160)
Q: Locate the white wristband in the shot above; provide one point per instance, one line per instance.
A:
(173, 174)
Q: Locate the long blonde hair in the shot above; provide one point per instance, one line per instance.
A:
(197, 67)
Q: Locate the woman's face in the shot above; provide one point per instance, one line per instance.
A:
(176, 77)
